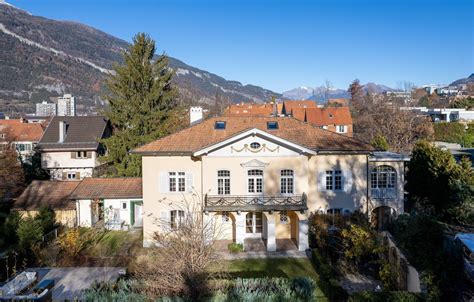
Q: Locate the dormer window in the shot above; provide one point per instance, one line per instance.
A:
(220, 125)
(330, 116)
(272, 125)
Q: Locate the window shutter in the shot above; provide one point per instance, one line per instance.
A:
(321, 179)
(189, 182)
(64, 175)
(165, 220)
(347, 181)
(89, 154)
(164, 182)
(73, 154)
(78, 175)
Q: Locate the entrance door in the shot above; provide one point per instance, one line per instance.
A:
(138, 212)
(253, 224)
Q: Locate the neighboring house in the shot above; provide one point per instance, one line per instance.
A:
(253, 109)
(66, 105)
(114, 202)
(261, 177)
(45, 109)
(335, 119)
(288, 106)
(338, 102)
(52, 194)
(22, 135)
(70, 146)
(444, 114)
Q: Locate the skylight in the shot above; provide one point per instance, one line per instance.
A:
(272, 125)
(220, 125)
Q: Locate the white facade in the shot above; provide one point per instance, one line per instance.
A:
(66, 105)
(444, 114)
(195, 115)
(72, 165)
(45, 109)
(117, 214)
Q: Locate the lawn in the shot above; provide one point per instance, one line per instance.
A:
(275, 267)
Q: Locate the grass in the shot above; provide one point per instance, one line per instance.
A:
(115, 243)
(275, 267)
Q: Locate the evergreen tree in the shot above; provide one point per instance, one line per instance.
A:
(142, 105)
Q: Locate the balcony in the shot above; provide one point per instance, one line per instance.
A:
(214, 203)
(383, 193)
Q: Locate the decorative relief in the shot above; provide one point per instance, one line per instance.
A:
(263, 148)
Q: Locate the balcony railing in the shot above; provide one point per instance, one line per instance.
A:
(381, 193)
(255, 203)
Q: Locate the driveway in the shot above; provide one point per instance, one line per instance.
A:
(69, 282)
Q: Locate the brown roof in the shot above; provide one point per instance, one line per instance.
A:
(341, 102)
(91, 188)
(288, 106)
(252, 109)
(82, 133)
(21, 130)
(324, 116)
(204, 134)
(54, 194)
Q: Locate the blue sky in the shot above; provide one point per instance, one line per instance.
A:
(282, 44)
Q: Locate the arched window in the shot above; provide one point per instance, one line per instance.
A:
(286, 182)
(255, 181)
(383, 177)
(223, 182)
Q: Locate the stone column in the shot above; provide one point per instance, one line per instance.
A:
(271, 232)
(240, 227)
(303, 235)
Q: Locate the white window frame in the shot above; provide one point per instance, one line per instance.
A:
(255, 184)
(344, 129)
(223, 182)
(334, 180)
(176, 218)
(253, 219)
(81, 154)
(71, 175)
(287, 182)
(177, 181)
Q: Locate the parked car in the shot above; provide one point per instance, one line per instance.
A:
(466, 243)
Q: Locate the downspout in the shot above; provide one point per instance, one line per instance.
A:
(367, 187)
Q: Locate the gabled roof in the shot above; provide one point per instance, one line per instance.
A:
(82, 133)
(204, 134)
(99, 188)
(324, 116)
(54, 194)
(21, 131)
(253, 109)
(288, 106)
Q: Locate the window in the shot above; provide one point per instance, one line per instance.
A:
(383, 177)
(219, 125)
(253, 223)
(71, 175)
(223, 182)
(81, 154)
(341, 129)
(22, 147)
(177, 181)
(2, 135)
(334, 180)
(124, 205)
(286, 182)
(255, 145)
(334, 211)
(272, 125)
(255, 181)
(177, 217)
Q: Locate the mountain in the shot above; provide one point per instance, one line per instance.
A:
(469, 79)
(42, 58)
(321, 94)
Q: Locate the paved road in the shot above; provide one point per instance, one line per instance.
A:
(71, 281)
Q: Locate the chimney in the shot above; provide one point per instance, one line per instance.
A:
(62, 131)
(195, 115)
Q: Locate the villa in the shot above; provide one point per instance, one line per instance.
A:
(261, 177)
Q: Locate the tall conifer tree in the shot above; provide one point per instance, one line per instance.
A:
(142, 105)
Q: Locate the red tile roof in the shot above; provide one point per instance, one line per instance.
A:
(20, 130)
(54, 194)
(324, 116)
(94, 188)
(288, 106)
(252, 109)
(204, 134)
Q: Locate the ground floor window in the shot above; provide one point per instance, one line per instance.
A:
(253, 223)
(177, 217)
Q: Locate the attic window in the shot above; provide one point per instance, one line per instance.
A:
(220, 125)
(255, 145)
(272, 125)
(331, 115)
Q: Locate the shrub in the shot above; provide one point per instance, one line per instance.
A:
(360, 244)
(73, 241)
(235, 248)
(328, 278)
(47, 218)
(386, 296)
(29, 232)
(10, 228)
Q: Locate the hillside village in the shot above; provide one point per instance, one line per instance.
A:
(163, 190)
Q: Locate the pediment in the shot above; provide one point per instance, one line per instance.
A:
(254, 163)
